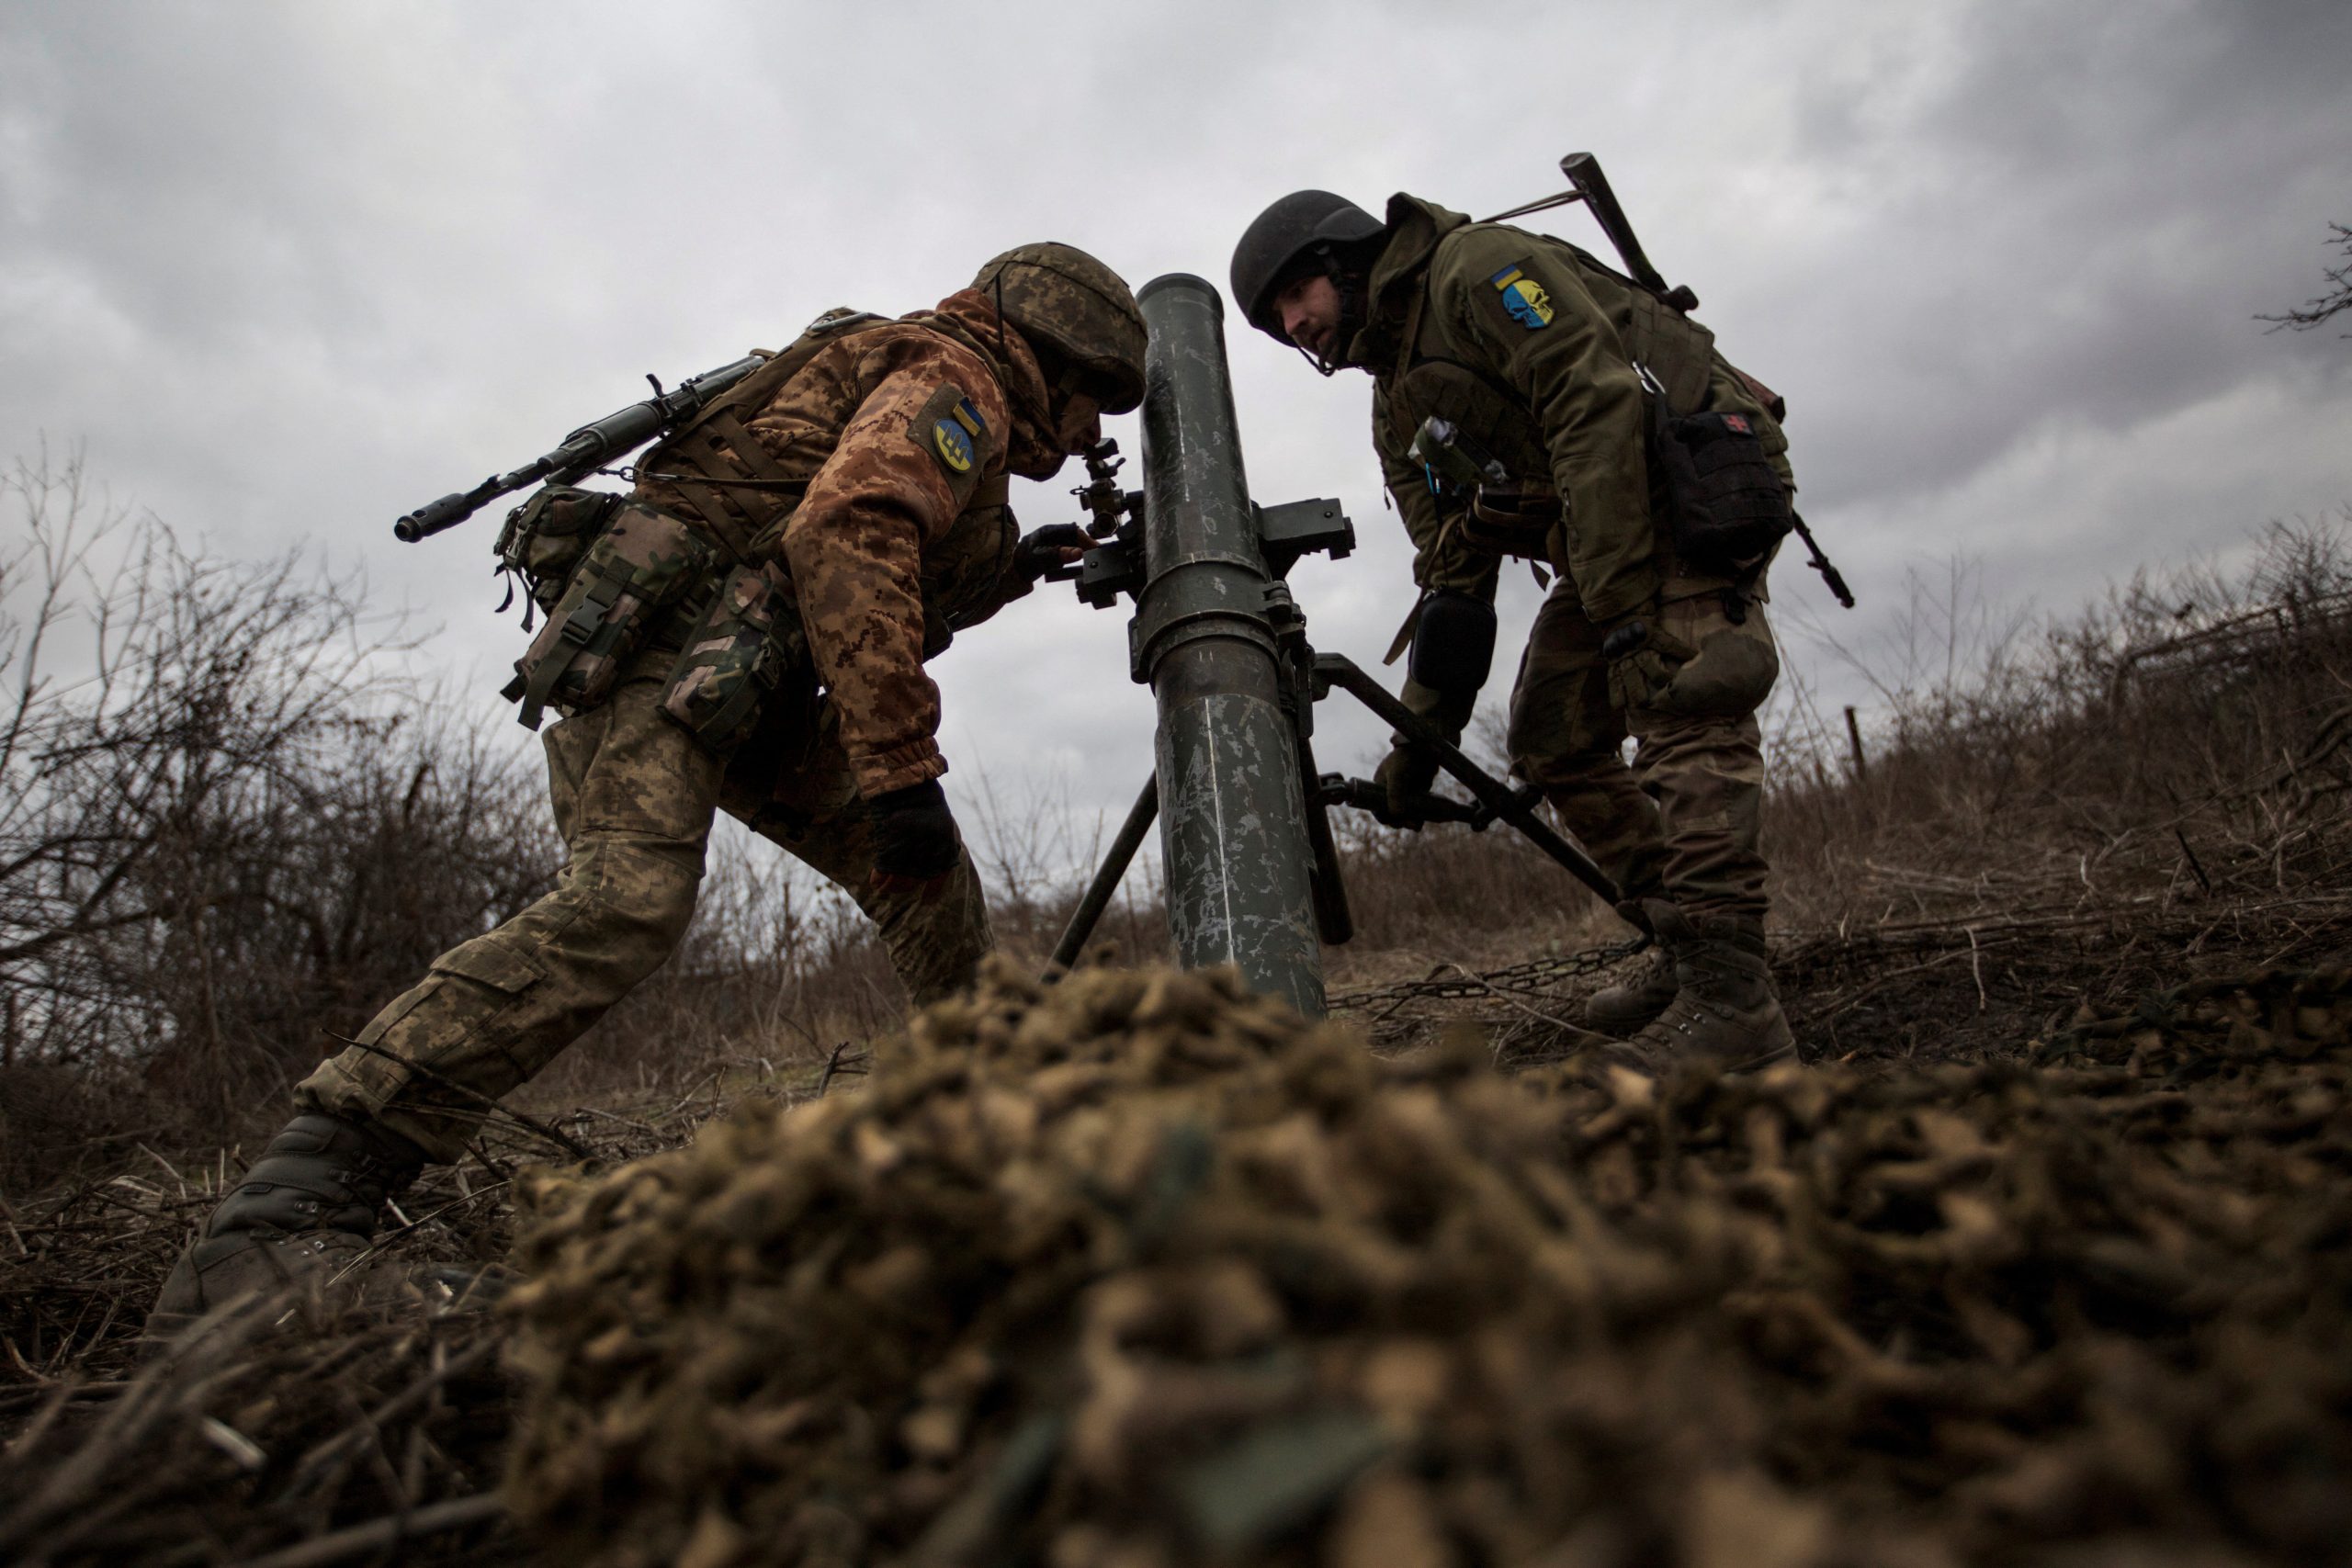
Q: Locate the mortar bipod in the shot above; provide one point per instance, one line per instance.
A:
(1313, 675)
(1493, 800)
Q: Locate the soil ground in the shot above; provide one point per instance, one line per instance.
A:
(268, 1440)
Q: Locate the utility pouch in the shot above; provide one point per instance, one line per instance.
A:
(740, 651)
(1726, 507)
(641, 564)
(545, 537)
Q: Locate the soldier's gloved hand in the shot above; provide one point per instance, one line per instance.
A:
(914, 837)
(1406, 773)
(1052, 552)
(1643, 662)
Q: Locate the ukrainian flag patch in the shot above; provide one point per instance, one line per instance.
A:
(1523, 298)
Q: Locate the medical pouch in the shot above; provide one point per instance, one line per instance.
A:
(740, 651)
(641, 564)
(1726, 508)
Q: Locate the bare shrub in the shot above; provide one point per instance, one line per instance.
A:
(2187, 736)
(222, 835)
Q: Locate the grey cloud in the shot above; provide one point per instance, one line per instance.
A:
(292, 269)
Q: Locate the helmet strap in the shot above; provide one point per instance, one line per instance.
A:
(1355, 290)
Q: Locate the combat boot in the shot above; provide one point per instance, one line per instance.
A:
(309, 1204)
(1645, 991)
(1723, 1008)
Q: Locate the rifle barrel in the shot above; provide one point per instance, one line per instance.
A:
(587, 448)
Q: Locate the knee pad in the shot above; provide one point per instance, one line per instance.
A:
(1454, 648)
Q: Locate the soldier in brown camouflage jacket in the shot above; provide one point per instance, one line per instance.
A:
(852, 493)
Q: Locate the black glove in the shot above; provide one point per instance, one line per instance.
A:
(1039, 553)
(1643, 662)
(914, 834)
(1406, 773)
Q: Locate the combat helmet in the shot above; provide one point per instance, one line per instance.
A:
(1305, 231)
(1063, 300)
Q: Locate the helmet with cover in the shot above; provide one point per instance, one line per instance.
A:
(1306, 231)
(1079, 314)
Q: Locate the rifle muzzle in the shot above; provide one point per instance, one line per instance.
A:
(446, 513)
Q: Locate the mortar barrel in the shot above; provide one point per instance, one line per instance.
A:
(1233, 826)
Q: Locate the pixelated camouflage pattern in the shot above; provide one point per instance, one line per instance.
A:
(854, 548)
(1060, 295)
(634, 796)
(1683, 820)
(888, 550)
(874, 534)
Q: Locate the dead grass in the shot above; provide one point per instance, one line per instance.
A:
(2037, 843)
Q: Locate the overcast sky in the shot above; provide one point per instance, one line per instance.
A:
(289, 270)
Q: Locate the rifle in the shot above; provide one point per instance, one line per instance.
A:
(1588, 185)
(587, 448)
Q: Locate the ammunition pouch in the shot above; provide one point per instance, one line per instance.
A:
(546, 536)
(641, 564)
(1725, 507)
(746, 641)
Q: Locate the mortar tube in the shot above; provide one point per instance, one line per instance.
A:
(1233, 830)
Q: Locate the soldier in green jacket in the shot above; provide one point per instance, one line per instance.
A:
(1542, 361)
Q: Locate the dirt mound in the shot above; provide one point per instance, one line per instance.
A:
(1142, 1272)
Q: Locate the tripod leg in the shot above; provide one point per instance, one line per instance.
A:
(1490, 792)
(1107, 877)
(1334, 922)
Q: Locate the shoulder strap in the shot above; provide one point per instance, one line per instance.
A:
(732, 520)
(763, 384)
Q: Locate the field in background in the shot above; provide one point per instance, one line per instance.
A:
(223, 849)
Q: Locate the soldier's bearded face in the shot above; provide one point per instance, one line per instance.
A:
(1082, 423)
(1310, 311)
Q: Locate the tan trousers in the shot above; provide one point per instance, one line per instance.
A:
(634, 796)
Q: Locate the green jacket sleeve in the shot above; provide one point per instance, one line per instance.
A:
(1523, 315)
(1441, 560)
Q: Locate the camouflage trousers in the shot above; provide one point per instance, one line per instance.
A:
(1682, 821)
(634, 797)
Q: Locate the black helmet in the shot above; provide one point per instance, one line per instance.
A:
(1305, 228)
(1061, 298)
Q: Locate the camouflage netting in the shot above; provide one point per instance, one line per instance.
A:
(1140, 1272)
